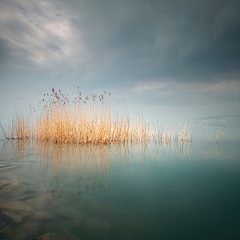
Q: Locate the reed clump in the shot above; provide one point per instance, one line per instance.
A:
(89, 120)
(85, 120)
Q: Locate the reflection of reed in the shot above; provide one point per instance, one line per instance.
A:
(91, 165)
(84, 161)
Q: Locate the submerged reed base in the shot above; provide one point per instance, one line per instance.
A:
(89, 120)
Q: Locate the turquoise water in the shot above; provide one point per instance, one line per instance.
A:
(141, 191)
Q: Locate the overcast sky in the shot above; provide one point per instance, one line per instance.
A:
(183, 56)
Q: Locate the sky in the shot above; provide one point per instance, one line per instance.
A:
(180, 57)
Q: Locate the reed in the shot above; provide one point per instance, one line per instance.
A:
(218, 133)
(20, 127)
(89, 120)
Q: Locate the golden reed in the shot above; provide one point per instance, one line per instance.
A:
(88, 120)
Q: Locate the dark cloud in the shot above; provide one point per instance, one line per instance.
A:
(148, 39)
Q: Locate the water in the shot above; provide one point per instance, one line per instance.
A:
(143, 191)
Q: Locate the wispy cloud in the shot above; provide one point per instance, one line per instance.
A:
(169, 86)
(38, 32)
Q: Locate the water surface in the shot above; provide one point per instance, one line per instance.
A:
(140, 191)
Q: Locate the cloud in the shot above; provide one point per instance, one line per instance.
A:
(168, 86)
(216, 96)
(145, 40)
(227, 19)
(115, 43)
(38, 32)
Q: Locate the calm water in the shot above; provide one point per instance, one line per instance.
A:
(143, 191)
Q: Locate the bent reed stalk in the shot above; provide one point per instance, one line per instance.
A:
(89, 120)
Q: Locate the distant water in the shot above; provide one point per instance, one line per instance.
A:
(141, 191)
